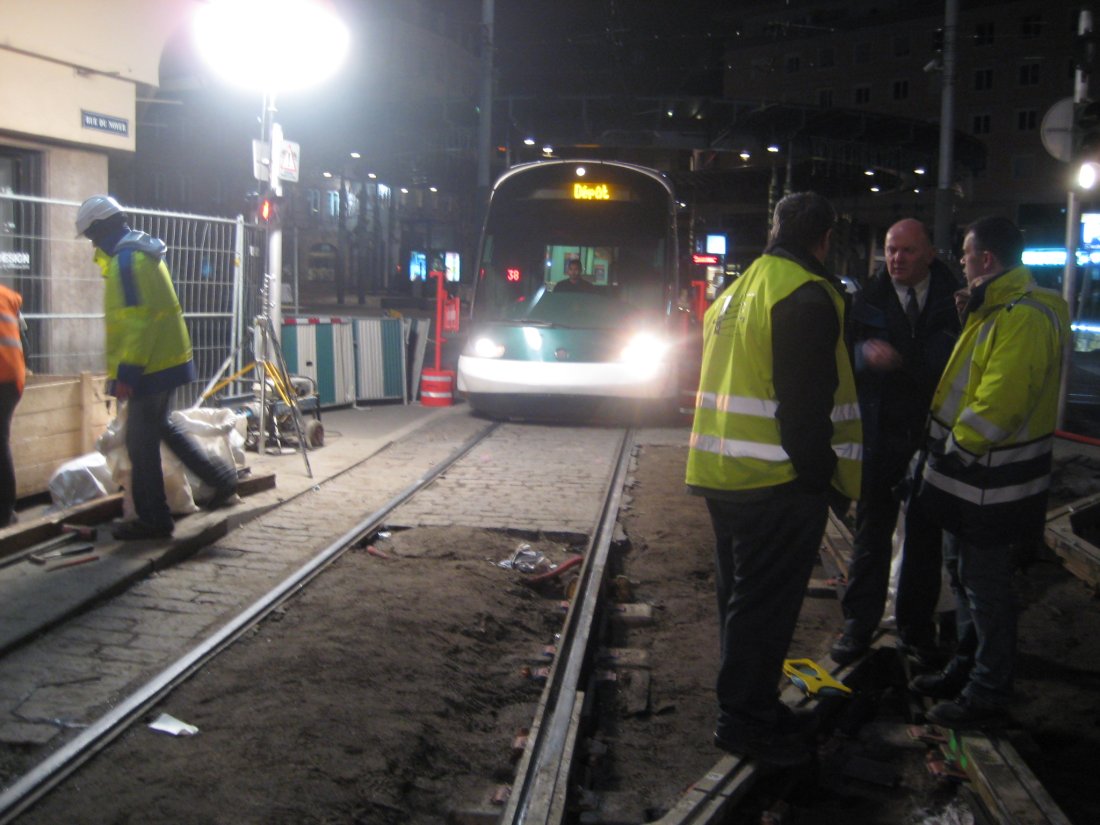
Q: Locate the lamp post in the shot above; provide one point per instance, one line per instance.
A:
(271, 46)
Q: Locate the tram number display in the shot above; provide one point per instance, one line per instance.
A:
(591, 192)
(512, 275)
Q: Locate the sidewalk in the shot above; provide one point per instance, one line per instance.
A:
(33, 597)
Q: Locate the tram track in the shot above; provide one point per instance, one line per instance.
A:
(18, 796)
(546, 779)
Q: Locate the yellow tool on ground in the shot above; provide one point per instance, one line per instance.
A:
(813, 679)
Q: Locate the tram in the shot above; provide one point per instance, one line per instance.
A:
(542, 345)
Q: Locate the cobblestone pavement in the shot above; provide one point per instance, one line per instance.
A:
(524, 477)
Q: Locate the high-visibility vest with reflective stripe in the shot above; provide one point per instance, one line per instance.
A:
(12, 366)
(735, 442)
(990, 435)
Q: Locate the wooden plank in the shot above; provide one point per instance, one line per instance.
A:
(1080, 557)
(20, 536)
(58, 419)
(1009, 789)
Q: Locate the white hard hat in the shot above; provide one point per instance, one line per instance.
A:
(96, 208)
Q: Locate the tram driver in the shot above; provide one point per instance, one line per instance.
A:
(574, 280)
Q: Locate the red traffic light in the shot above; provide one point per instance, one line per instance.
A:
(265, 211)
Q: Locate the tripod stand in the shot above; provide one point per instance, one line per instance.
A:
(270, 367)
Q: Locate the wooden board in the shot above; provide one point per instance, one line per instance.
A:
(58, 419)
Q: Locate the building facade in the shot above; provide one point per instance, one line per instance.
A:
(1013, 60)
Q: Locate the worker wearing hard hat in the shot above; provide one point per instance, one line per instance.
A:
(148, 356)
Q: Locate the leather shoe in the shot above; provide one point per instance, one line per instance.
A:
(848, 648)
(138, 529)
(766, 748)
(942, 685)
(963, 713)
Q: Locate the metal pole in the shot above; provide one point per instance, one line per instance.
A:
(275, 237)
(485, 119)
(941, 234)
(1073, 234)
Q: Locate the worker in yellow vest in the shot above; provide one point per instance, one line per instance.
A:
(989, 455)
(776, 439)
(148, 356)
(13, 373)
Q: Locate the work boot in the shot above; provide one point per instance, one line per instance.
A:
(963, 712)
(768, 748)
(943, 685)
(798, 722)
(848, 648)
(224, 496)
(137, 529)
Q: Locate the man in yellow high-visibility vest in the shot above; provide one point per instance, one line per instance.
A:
(776, 439)
(989, 455)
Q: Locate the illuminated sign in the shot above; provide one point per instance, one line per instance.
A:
(716, 244)
(591, 192)
(704, 259)
(1056, 256)
(452, 263)
(418, 266)
(512, 275)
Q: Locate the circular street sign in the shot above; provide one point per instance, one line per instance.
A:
(1057, 130)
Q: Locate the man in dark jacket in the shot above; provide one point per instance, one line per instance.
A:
(904, 326)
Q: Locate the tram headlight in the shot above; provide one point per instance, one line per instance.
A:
(644, 348)
(533, 338)
(485, 347)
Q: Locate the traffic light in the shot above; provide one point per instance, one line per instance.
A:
(266, 209)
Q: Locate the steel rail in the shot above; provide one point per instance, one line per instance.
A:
(540, 790)
(32, 786)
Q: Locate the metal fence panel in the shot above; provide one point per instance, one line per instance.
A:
(216, 266)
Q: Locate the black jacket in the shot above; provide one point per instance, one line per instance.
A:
(894, 405)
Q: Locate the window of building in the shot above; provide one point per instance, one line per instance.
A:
(1029, 73)
(332, 198)
(313, 201)
(983, 33)
(983, 80)
(861, 95)
(1027, 120)
(1031, 26)
(981, 124)
(825, 98)
(901, 89)
(826, 58)
(901, 45)
(791, 63)
(861, 53)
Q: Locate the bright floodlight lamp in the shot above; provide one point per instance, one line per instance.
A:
(1087, 174)
(271, 45)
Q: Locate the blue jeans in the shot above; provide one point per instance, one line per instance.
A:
(764, 553)
(981, 579)
(147, 425)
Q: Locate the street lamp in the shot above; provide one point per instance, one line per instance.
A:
(271, 46)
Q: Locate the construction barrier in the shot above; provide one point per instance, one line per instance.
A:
(437, 387)
(322, 349)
